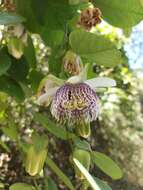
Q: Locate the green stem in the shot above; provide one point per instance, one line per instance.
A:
(69, 139)
(59, 173)
(36, 184)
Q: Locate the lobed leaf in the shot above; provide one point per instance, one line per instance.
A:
(99, 50)
(119, 13)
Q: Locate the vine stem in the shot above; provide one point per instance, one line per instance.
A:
(36, 184)
(68, 137)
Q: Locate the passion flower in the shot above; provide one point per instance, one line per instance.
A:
(74, 102)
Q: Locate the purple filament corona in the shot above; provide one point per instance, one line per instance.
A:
(74, 103)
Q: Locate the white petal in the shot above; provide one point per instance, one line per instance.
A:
(100, 82)
(46, 98)
(74, 80)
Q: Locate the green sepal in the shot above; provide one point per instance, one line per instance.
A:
(83, 130)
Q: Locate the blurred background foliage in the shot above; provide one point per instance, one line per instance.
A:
(119, 128)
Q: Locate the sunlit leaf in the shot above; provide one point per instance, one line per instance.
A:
(11, 132)
(21, 186)
(121, 14)
(87, 175)
(2, 185)
(107, 165)
(103, 185)
(99, 50)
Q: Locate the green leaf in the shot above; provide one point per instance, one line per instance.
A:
(10, 18)
(47, 14)
(59, 173)
(29, 53)
(24, 8)
(48, 18)
(2, 185)
(53, 38)
(51, 127)
(99, 49)
(4, 146)
(74, 2)
(40, 142)
(87, 175)
(102, 184)
(19, 69)
(34, 79)
(5, 62)
(55, 61)
(12, 88)
(11, 132)
(107, 165)
(82, 144)
(53, 15)
(50, 184)
(121, 14)
(21, 186)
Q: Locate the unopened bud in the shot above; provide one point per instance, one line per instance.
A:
(72, 63)
(35, 161)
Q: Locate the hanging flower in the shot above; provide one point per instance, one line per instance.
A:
(75, 101)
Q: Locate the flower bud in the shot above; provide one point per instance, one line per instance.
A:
(36, 154)
(84, 158)
(8, 5)
(35, 161)
(72, 63)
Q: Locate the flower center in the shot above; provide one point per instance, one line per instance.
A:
(75, 102)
